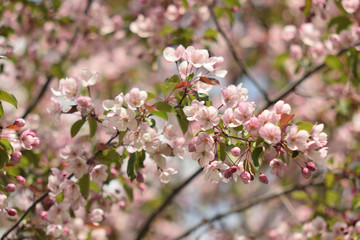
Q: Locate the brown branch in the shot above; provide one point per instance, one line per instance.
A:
(236, 57)
(246, 205)
(292, 86)
(144, 229)
(50, 77)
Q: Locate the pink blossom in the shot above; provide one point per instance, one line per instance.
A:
(12, 212)
(288, 33)
(135, 98)
(244, 111)
(263, 178)
(203, 157)
(68, 87)
(296, 52)
(166, 173)
(203, 142)
(207, 117)
(98, 174)
(3, 201)
(212, 171)
(252, 126)
(10, 187)
(20, 180)
(277, 167)
(142, 26)
(88, 78)
(84, 105)
(350, 5)
(318, 136)
(281, 107)
(309, 34)
(306, 172)
(232, 95)
(196, 57)
(159, 154)
(77, 166)
(55, 230)
(270, 133)
(229, 118)
(20, 122)
(172, 55)
(114, 105)
(96, 215)
(29, 140)
(15, 157)
(58, 213)
(235, 151)
(296, 140)
(268, 117)
(191, 111)
(125, 119)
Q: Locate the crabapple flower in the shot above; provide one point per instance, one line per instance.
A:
(96, 215)
(55, 230)
(318, 136)
(229, 118)
(296, 140)
(196, 57)
(244, 111)
(350, 6)
(68, 87)
(20, 180)
(232, 95)
(135, 98)
(270, 133)
(212, 171)
(207, 117)
(313, 152)
(3, 201)
(159, 153)
(235, 151)
(77, 166)
(15, 157)
(98, 174)
(281, 107)
(29, 140)
(203, 142)
(84, 105)
(268, 117)
(309, 34)
(166, 173)
(204, 157)
(245, 177)
(277, 167)
(114, 105)
(10, 187)
(88, 78)
(296, 52)
(288, 33)
(252, 126)
(142, 26)
(126, 119)
(172, 55)
(59, 212)
(191, 111)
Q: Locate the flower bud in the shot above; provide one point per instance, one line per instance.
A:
(191, 147)
(245, 177)
(235, 151)
(306, 173)
(139, 177)
(233, 169)
(20, 180)
(44, 215)
(19, 122)
(12, 212)
(10, 187)
(263, 179)
(15, 157)
(311, 166)
(227, 173)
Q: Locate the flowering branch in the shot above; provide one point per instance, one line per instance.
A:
(49, 77)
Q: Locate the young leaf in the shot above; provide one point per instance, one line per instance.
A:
(210, 81)
(131, 166)
(255, 155)
(163, 115)
(285, 119)
(4, 96)
(4, 157)
(75, 128)
(163, 106)
(84, 184)
(1, 110)
(92, 125)
(305, 126)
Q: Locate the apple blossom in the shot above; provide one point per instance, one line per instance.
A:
(10, 187)
(29, 139)
(88, 78)
(135, 98)
(350, 5)
(277, 167)
(270, 133)
(96, 215)
(207, 117)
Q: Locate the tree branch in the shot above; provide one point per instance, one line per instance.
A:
(49, 77)
(291, 87)
(144, 229)
(246, 205)
(237, 58)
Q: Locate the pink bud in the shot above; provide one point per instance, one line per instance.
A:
(245, 177)
(19, 122)
(306, 173)
(15, 157)
(10, 187)
(113, 171)
(44, 215)
(191, 147)
(311, 166)
(140, 177)
(233, 169)
(263, 179)
(20, 180)
(235, 151)
(227, 173)
(12, 212)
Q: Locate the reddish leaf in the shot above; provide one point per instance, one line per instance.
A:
(150, 108)
(285, 119)
(13, 127)
(181, 84)
(210, 81)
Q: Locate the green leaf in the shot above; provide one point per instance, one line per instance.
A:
(60, 197)
(4, 157)
(94, 187)
(307, 8)
(139, 163)
(255, 155)
(299, 195)
(173, 79)
(211, 34)
(150, 95)
(232, 3)
(185, 3)
(163, 115)
(342, 22)
(280, 60)
(84, 184)
(222, 151)
(163, 106)
(7, 97)
(1, 110)
(305, 126)
(329, 180)
(5, 144)
(92, 125)
(333, 62)
(201, 96)
(294, 154)
(183, 122)
(131, 166)
(151, 122)
(75, 128)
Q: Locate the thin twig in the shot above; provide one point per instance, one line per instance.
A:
(50, 77)
(247, 205)
(144, 229)
(291, 87)
(237, 58)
